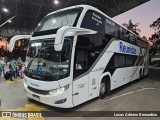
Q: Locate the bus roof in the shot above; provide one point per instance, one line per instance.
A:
(88, 7)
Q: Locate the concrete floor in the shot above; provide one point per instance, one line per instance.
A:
(143, 95)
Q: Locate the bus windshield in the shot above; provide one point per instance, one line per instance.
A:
(57, 20)
(43, 59)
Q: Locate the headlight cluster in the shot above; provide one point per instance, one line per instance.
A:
(59, 90)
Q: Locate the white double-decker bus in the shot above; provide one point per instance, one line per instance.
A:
(78, 53)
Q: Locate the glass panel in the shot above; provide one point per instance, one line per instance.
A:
(129, 61)
(57, 20)
(43, 59)
(119, 61)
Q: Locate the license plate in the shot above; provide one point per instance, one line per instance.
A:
(36, 97)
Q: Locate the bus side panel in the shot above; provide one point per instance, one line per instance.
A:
(80, 90)
(120, 77)
(95, 76)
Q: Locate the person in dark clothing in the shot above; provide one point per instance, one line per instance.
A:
(7, 75)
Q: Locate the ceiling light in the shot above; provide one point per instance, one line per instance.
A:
(56, 2)
(9, 21)
(5, 10)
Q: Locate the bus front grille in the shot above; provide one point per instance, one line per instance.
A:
(43, 92)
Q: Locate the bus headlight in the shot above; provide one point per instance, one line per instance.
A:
(59, 90)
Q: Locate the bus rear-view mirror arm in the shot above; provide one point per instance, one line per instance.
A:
(15, 38)
(61, 33)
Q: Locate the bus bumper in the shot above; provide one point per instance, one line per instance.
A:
(63, 100)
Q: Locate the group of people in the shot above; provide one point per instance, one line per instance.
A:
(14, 69)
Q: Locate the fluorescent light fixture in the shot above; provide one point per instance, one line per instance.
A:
(56, 2)
(10, 21)
(5, 10)
(36, 44)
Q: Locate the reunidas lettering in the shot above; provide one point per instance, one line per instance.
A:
(127, 49)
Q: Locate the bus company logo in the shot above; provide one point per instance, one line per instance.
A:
(34, 84)
(127, 49)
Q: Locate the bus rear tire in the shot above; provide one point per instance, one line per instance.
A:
(140, 74)
(104, 89)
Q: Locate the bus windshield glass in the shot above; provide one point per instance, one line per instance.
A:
(43, 59)
(59, 19)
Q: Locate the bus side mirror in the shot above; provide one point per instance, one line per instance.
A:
(15, 38)
(72, 31)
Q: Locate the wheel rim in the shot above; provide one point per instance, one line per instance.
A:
(102, 88)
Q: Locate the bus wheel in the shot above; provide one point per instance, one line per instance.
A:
(104, 89)
(143, 73)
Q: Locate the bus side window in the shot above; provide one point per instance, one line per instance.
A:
(124, 35)
(129, 60)
(105, 39)
(119, 61)
(135, 60)
(132, 39)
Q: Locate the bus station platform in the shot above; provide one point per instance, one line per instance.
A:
(140, 95)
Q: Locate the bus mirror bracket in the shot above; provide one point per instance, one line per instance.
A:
(15, 38)
(61, 33)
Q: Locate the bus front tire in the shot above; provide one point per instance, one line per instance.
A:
(104, 89)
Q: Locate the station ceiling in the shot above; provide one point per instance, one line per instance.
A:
(29, 12)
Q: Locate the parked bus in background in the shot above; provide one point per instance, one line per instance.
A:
(78, 53)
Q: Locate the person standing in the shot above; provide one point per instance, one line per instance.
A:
(5, 59)
(19, 67)
(2, 66)
(0, 70)
(12, 67)
(19, 61)
(15, 73)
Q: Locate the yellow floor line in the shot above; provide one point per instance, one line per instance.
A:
(11, 82)
(28, 107)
